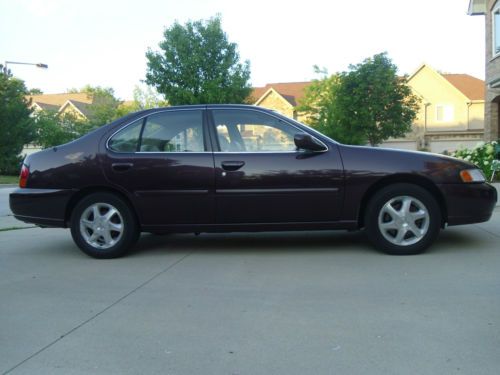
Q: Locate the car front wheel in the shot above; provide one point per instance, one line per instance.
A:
(103, 226)
(402, 219)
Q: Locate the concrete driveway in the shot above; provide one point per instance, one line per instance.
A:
(6, 218)
(275, 303)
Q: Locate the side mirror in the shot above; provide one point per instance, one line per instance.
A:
(304, 141)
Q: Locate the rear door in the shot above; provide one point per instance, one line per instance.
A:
(165, 162)
(261, 177)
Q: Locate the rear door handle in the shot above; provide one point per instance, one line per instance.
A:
(121, 167)
(232, 165)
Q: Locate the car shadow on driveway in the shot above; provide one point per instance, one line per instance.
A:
(450, 240)
(275, 242)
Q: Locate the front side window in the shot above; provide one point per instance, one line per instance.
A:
(250, 131)
(495, 28)
(173, 132)
(127, 139)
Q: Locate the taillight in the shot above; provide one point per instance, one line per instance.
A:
(23, 177)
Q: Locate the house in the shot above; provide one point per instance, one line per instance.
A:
(491, 10)
(76, 104)
(282, 97)
(451, 112)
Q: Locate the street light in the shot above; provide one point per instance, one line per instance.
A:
(38, 65)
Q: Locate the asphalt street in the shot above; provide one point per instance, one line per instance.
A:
(272, 303)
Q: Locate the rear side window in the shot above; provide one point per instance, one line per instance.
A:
(127, 139)
(173, 132)
(180, 131)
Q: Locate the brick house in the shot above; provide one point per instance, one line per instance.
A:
(491, 10)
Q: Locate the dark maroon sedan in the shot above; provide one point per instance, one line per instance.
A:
(228, 168)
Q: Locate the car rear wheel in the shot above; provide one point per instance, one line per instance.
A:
(402, 219)
(103, 226)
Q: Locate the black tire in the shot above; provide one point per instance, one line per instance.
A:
(98, 238)
(391, 231)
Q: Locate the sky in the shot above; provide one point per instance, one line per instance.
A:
(103, 42)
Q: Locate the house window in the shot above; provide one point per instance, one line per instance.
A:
(496, 29)
(444, 113)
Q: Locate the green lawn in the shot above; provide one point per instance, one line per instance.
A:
(9, 179)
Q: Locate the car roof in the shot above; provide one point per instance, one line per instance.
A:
(207, 106)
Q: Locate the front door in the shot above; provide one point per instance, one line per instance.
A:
(261, 177)
(165, 162)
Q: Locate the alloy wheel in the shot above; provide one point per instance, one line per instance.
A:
(101, 225)
(403, 220)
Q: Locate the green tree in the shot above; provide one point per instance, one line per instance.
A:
(368, 103)
(372, 96)
(146, 97)
(16, 124)
(35, 91)
(104, 106)
(55, 129)
(198, 65)
(320, 105)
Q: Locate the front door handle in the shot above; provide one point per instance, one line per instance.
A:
(121, 167)
(232, 165)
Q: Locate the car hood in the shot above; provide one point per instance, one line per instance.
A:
(384, 161)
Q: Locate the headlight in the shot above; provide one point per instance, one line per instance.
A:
(472, 175)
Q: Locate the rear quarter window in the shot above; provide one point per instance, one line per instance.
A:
(127, 139)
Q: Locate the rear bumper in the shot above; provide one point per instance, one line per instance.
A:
(469, 203)
(45, 207)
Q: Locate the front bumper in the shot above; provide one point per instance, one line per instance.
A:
(44, 207)
(469, 203)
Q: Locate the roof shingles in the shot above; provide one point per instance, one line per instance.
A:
(56, 102)
(293, 92)
(60, 99)
(472, 87)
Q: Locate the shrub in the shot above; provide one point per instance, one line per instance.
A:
(482, 155)
(10, 165)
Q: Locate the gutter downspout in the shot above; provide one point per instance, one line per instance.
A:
(426, 105)
(467, 126)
